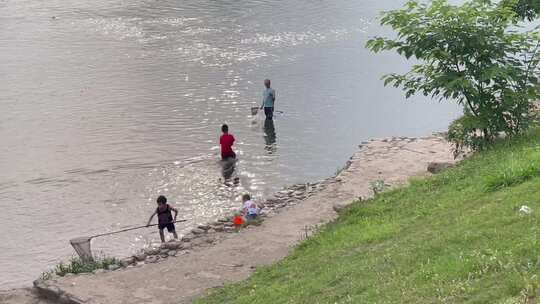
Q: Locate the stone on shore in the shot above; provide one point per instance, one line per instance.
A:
(229, 229)
(204, 227)
(172, 245)
(151, 251)
(140, 257)
(187, 238)
(224, 219)
(152, 259)
(338, 207)
(125, 262)
(218, 228)
(113, 267)
(197, 231)
(436, 167)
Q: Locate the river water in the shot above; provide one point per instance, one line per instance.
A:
(106, 104)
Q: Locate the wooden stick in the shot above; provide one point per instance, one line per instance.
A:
(129, 229)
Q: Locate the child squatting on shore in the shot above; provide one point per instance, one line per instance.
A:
(250, 210)
(165, 218)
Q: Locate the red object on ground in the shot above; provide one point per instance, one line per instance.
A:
(238, 220)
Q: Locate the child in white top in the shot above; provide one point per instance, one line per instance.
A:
(250, 210)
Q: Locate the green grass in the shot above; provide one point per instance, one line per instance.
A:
(76, 265)
(453, 238)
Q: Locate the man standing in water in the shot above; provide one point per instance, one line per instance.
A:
(268, 100)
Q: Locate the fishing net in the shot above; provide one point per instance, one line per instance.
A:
(82, 244)
(83, 249)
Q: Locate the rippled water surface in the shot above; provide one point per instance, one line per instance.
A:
(106, 104)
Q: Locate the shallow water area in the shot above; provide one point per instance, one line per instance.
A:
(104, 105)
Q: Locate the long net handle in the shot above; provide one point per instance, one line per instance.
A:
(132, 228)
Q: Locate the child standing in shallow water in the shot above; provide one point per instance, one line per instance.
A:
(165, 218)
(226, 141)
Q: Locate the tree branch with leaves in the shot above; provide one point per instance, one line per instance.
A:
(475, 54)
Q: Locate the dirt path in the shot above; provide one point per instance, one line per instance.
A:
(236, 255)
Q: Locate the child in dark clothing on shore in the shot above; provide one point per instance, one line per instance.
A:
(165, 218)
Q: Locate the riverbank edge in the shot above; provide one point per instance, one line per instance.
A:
(289, 196)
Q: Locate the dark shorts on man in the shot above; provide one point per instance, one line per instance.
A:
(170, 227)
(269, 112)
(226, 157)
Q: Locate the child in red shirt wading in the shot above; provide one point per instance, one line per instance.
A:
(226, 141)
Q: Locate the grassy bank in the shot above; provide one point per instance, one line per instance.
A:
(457, 237)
